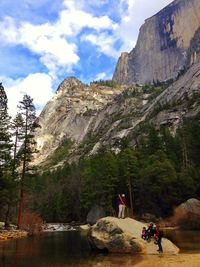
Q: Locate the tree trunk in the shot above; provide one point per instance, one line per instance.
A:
(131, 197)
(21, 202)
(7, 224)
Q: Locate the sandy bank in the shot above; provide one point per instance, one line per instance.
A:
(7, 235)
(114, 260)
(180, 260)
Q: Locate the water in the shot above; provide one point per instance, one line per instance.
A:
(64, 249)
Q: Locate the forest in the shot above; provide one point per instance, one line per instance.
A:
(157, 173)
(161, 171)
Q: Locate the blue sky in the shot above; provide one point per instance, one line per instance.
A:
(44, 41)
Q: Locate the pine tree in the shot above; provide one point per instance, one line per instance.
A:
(28, 114)
(17, 127)
(5, 137)
(5, 156)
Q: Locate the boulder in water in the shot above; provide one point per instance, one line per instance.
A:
(187, 215)
(124, 236)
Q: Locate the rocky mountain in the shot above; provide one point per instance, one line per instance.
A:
(162, 46)
(80, 119)
(71, 114)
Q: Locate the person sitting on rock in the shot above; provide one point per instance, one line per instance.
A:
(158, 236)
(122, 206)
(144, 233)
(150, 232)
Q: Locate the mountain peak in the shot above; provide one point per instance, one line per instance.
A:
(69, 83)
(162, 45)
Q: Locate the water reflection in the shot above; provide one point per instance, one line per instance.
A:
(64, 249)
(187, 241)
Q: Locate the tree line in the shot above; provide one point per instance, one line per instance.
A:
(157, 174)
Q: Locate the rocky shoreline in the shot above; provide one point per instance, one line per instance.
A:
(12, 234)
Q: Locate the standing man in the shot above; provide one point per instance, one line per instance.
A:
(158, 236)
(122, 206)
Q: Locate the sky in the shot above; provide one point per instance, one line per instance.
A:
(42, 42)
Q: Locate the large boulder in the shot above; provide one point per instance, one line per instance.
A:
(187, 215)
(124, 236)
(191, 206)
(95, 214)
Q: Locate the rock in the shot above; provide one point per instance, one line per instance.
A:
(187, 215)
(124, 236)
(163, 42)
(95, 214)
(15, 234)
(69, 116)
(85, 227)
(148, 217)
(191, 206)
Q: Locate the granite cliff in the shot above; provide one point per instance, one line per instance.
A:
(162, 46)
(71, 115)
(81, 119)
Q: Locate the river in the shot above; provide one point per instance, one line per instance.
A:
(71, 249)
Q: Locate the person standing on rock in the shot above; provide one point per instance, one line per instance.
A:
(122, 206)
(158, 236)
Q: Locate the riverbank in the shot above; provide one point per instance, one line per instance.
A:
(113, 260)
(14, 234)
(180, 260)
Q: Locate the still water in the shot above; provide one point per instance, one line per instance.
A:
(63, 249)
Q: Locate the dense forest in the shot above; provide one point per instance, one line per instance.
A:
(157, 173)
(161, 171)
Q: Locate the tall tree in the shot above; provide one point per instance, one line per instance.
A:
(129, 168)
(5, 155)
(5, 137)
(28, 114)
(17, 133)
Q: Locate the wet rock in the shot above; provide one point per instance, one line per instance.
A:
(124, 236)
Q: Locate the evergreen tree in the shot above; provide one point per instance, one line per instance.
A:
(28, 115)
(17, 127)
(5, 156)
(5, 137)
(128, 162)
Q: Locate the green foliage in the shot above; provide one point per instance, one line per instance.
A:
(155, 170)
(157, 193)
(61, 152)
(5, 136)
(108, 83)
(100, 176)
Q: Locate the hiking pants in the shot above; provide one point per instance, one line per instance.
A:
(121, 213)
(159, 244)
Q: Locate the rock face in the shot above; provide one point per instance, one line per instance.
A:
(124, 236)
(191, 206)
(70, 115)
(187, 215)
(193, 54)
(162, 46)
(92, 116)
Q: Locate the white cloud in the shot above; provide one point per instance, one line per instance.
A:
(100, 76)
(37, 85)
(55, 42)
(104, 42)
